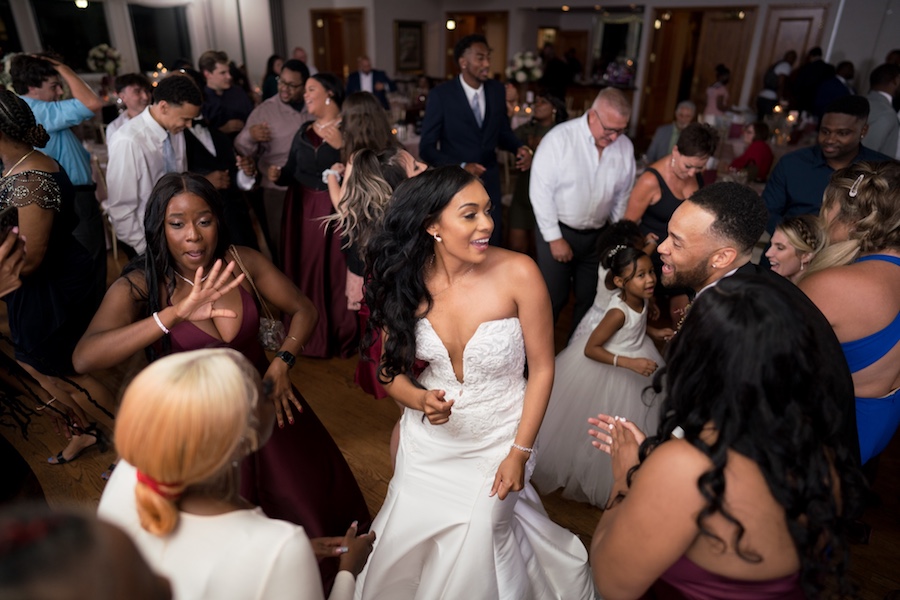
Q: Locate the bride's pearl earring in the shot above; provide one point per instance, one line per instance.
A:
(438, 238)
(327, 101)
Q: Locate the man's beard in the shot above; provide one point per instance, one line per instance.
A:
(692, 279)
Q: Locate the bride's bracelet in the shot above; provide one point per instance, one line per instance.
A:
(523, 448)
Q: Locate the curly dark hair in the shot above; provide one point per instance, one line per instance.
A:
(698, 139)
(30, 71)
(177, 90)
(17, 121)
(748, 362)
(740, 213)
(396, 258)
(156, 262)
(139, 79)
(465, 43)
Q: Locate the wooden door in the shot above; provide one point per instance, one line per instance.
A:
(725, 36)
(494, 26)
(339, 37)
(672, 53)
(788, 28)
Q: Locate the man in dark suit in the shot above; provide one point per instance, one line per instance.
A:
(465, 121)
(711, 237)
(367, 79)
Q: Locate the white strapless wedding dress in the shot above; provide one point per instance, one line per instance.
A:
(439, 534)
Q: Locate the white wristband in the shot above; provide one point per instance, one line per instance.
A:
(328, 172)
(160, 323)
(615, 360)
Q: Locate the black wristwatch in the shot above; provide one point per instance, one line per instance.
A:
(287, 357)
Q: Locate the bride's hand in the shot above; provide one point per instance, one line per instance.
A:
(603, 433)
(510, 476)
(436, 408)
(198, 306)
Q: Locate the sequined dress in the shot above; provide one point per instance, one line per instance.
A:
(52, 309)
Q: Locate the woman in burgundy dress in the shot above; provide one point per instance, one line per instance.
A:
(192, 291)
(312, 250)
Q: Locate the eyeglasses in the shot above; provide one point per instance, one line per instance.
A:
(607, 131)
(290, 86)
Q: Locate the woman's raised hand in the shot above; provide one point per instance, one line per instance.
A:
(199, 305)
(436, 408)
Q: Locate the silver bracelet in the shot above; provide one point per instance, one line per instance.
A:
(160, 323)
(615, 360)
(523, 448)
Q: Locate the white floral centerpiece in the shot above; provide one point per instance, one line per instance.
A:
(103, 58)
(525, 67)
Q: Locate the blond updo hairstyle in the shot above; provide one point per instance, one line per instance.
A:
(872, 214)
(183, 420)
(805, 234)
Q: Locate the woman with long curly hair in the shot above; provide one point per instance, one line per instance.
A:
(474, 313)
(746, 487)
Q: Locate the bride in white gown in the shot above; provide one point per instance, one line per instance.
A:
(461, 520)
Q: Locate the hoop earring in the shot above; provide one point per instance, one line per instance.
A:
(438, 238)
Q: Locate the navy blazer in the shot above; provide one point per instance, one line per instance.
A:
(354, 85)
(450, 122)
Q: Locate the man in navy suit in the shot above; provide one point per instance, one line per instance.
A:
(465, 121)
(367, 79)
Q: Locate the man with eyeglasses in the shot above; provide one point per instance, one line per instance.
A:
(267, 137)
(581, 177)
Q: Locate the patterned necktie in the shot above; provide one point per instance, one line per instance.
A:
(169, 155)
(476, 108)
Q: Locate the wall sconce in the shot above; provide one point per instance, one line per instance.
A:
(81, 3)
(451, 24)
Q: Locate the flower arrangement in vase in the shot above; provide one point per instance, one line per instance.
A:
(525, 67)
(103, 58)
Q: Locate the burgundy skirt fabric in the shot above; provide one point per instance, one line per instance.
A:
(312, 258)
(366, 375)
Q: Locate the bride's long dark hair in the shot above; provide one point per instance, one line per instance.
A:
(396, 258)
(749, 362)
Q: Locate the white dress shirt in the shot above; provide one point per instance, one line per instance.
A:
(366, 83)
(571, 184)
(115, 125)
(135, 164)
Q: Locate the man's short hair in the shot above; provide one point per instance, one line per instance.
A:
(884, 74)
(177, 89)
(30, 71)
(128, 79)
(615, 99)
(814, 52)
(465, 43)
(740, 214)
(297, 66)
(686, 104)
(855, 106)
(211, 58)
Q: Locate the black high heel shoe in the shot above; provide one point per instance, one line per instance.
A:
(99, 443)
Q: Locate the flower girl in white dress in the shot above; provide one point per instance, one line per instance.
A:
(607, 371)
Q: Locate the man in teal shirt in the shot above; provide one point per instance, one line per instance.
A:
(38, 80)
